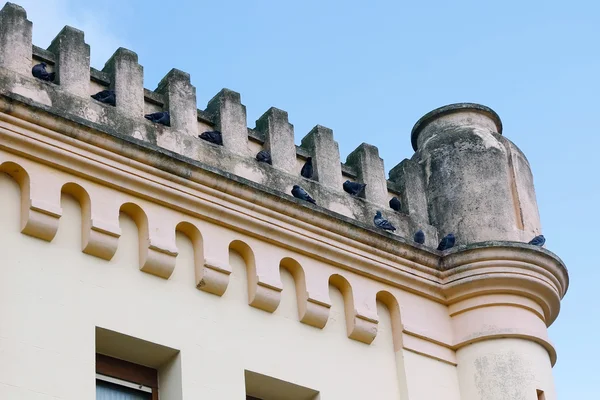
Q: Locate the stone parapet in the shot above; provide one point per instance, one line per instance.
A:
(464, 178)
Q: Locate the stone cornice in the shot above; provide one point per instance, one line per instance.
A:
(169, 181)
(507, 267)
(175, 175)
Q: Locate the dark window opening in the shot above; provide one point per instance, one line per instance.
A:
(122, 380)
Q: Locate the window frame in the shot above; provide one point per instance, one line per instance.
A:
(131, 375)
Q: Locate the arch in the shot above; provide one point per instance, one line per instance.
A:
(248, 256)
(100, 232)
(140, 218)
(342, 284)
(19, 178)
(39, 216)
(390, 301)
(19, 175)
(193, 234)
(264, 286)
(297, 272)
(157, 256)
(83, 198)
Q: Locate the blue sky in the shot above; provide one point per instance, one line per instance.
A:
(370, 70)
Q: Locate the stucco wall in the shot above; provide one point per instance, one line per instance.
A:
(52, 296)
(505, 369)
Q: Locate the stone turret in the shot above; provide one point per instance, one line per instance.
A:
(477, 183)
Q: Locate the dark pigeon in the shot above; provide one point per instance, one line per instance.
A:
(301, 194)
(264, 156)
(307, 169)
(395, 204)
(354, 188)
(419, 237)
(382, 223)
(213, 137)
(39, 71)
(162, 118)
(538, 240)
(105, 96)
(447, 242)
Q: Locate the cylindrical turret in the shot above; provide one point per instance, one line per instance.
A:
(479, 185)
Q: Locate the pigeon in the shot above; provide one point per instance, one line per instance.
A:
(447, 242)
(382, 223)
(162, 118)
(538, 240)
(264, 156)
(419, 237)
(395, 204)
(301, 194)
(354, 188)
(307, 169)
(213, 137)
(39, 71)
(105, 96)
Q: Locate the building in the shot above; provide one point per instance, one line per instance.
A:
(139, 258)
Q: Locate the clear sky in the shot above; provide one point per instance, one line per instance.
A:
(370, 69)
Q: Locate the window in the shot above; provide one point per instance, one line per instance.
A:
(263, 387)
(121, 380)
(115, 389)
(130, 368)
(541, 395)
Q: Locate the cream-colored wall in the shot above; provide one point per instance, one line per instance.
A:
(430, 379)
(52, 296)
(501, 369)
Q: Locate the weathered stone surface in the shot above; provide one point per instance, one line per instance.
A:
(127, 81)
(15, 39)
(408, 175)
(229, 115)
(326, 156)
(369, 168)
(468, 179)
(279, 138)
(72, 61)
(528, 217)
(180, 99)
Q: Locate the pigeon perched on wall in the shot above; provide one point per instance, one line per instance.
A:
(447, 242)
(419, 237)
(301, 194)
(307, 169)
(538, 240)
(105, 96)
(264, 156)
(354, 188)
(162, 118)
(39, 71)
(213, 137)
(395, 203)
(383, 223)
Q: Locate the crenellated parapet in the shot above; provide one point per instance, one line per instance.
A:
(464, 177)
(172, 213)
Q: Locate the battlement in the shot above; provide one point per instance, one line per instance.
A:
(132, 227)
(442, 188)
